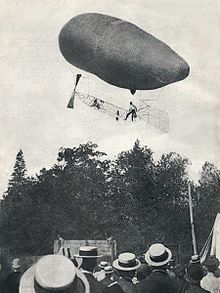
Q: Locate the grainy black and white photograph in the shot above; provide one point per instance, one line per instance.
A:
(110, 139)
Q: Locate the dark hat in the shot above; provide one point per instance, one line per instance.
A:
(195, 272)
(126, 262)
(158, 255)
(211, 261)
(88, 252)
(53, 273)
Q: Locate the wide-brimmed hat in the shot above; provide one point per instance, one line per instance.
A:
(126, 262)
(16, 264)
(53, 273)
(103, 264)
(88, 252)
(158, 255)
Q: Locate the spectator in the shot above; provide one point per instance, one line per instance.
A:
(111, 285)
(211, 282)
(158, 257)
(126, 265)
(100, 272)
(89, 256)
(13, 279)
(194, 275)
(53, 273)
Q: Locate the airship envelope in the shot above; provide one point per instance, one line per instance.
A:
(120, 53)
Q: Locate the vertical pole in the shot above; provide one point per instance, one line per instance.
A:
(179, 253)
(192, 221)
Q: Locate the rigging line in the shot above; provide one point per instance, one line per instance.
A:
(147, 106)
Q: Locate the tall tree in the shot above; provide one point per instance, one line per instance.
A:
(85, 188)
(172, 184)
(18, 177)
(14, 204)
(133, 193)
(207, 204)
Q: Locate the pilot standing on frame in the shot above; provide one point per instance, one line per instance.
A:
(132, 111)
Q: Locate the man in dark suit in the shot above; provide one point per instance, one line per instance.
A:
(211, 281)
(13, 279)
(126, 265)
(158, 257)
(194, 274)
(89, 256)
(110, 282)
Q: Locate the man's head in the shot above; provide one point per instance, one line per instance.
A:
(143, 271)
(16, 265)
(130, 103)
(53, 273)
(108, 271)
(158, 256)
(212, 264)
(89, 256)
(195, 273)
(126, 264)
(127, 274)
(89, 264)
(103, 264)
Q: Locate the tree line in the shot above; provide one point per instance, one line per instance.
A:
(133, 198)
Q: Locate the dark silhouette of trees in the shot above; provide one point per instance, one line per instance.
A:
(85, 196)
(133, 196)
(14, 200)
(207, 203)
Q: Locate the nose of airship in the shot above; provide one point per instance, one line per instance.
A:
(168, 69)
(184, 69)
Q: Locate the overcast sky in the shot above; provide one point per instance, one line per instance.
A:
(36, 83)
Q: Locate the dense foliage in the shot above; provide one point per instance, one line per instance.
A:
(133, 198)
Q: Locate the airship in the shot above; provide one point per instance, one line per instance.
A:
(120, 53)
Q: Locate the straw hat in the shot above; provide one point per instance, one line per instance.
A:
(195, 258)
(158, 255)
(108, 270)
(88, 252)
(126, 262)
(103, 264)
(53, 273)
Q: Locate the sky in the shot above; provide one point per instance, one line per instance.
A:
(36, 83)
